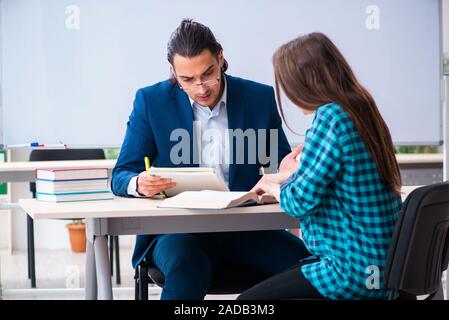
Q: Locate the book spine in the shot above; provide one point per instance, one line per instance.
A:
(71, 193)
(64, 180)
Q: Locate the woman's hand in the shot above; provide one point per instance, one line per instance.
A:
(270, 184)
(289, 164)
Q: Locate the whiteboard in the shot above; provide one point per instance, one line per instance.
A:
(74, 80)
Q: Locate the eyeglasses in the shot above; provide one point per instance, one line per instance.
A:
(204, 84)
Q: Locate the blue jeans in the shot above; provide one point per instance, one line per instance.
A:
(189, 260)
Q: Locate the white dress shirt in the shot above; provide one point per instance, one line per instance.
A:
(211, 126)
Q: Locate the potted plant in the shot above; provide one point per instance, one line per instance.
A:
(77, 235)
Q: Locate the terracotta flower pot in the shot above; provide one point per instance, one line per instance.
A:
(77, 234)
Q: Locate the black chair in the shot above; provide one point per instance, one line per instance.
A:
(65, 154)
(226, 281)
(419, 252)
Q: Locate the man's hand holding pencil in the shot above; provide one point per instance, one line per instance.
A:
(149, 185)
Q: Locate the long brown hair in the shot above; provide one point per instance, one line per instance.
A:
(312, 72)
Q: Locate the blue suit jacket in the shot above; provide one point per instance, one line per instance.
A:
(161, 108)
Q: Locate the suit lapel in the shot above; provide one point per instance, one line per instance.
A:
(236, 111)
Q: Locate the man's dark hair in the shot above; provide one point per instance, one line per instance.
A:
(190, 39)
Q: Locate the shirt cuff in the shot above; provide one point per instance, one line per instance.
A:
(132, 187)
(290, 179)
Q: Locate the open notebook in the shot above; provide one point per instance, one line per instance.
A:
(208, 199)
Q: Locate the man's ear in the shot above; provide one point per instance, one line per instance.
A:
(173, 75)
(221, 59)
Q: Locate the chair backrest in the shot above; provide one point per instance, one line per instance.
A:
(418, 252)
(64, 154)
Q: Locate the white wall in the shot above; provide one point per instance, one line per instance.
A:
(446, 26)
(84, 73)
(5, 233)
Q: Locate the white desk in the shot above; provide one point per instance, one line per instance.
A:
(140, 216)
(25, 171)
(419, 158)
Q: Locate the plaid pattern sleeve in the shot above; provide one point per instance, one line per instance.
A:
(320, 163)
(347, 214)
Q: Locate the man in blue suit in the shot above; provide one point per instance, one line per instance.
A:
(200, 92)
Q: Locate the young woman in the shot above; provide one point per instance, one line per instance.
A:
(346, 190)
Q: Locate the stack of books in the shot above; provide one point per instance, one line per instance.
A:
(72, 184)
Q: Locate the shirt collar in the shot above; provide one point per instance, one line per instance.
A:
(222, 100)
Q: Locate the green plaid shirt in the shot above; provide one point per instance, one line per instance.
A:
(347, 215)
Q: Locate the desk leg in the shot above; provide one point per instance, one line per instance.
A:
(91, 272)
(104, 281)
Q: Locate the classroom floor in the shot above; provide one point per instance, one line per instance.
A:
(60, 275)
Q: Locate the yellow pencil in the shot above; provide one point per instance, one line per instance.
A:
(147, 169)
(147, 165)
